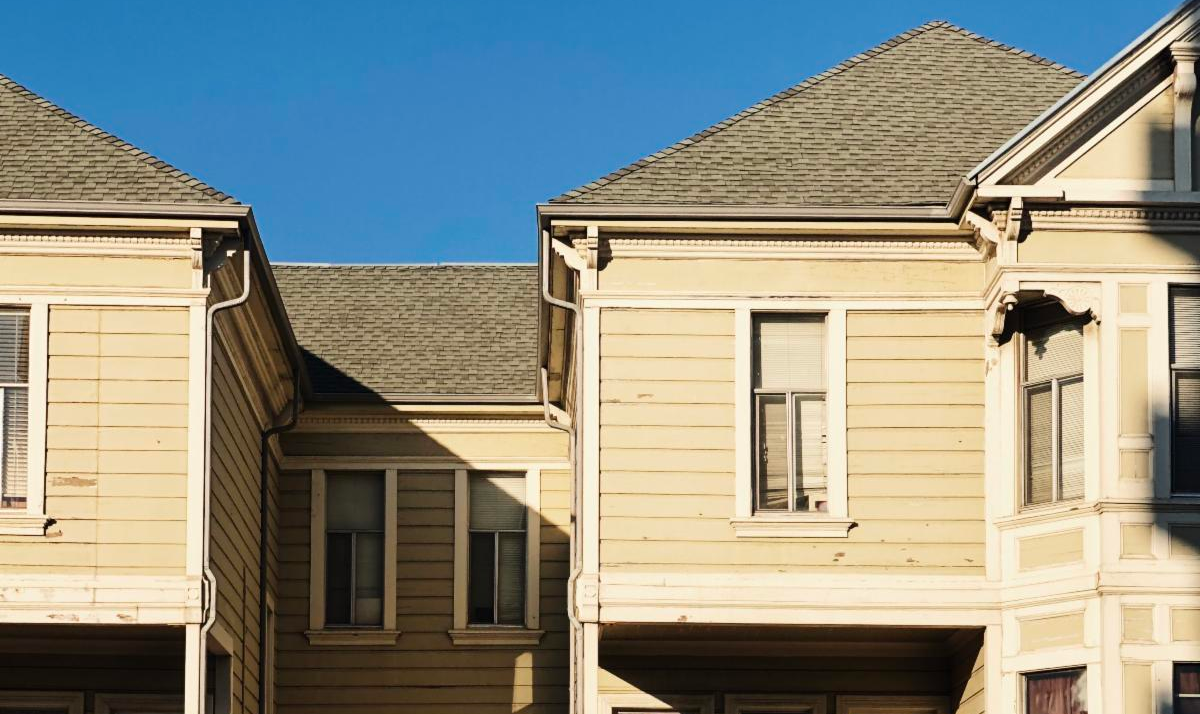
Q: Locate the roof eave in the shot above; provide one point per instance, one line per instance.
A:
(648, 211)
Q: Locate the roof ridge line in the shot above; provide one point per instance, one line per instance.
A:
(180, 175)
(810, 82)
(1011, 49)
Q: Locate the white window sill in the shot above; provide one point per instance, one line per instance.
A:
(495, 637)
(791, 527)
(23, 524)
(352, 638)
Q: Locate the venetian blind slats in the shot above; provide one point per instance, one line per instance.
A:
(498, 502)
(1185, 379)
(1071, 439)
(1185, 326)
(791, 352)
(1054, 351)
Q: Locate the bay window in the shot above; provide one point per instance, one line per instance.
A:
(1052, 404)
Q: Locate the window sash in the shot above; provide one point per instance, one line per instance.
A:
(14, 400)
(351, 617)
(797, 486)
(1066, 484)
(498, 579)
(1047, 701)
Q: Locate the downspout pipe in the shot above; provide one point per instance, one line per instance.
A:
(576, 470)
(209, 579)
(263, 488)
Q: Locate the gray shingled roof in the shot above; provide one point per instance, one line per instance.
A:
(49, 154)
(897, 125)
(394, 330)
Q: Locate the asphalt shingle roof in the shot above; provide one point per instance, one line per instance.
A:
(395, 330)
(49, 154)
(897, 125)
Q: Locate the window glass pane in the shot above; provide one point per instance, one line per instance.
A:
(511, 595)
(368, 578)
(1054, 351)
(14, 432)
(1060, 692)
(354, 500)
(337, 578)
(498, 501)
(1185, 446)
(789, 352)
(1185, 325)
(772, 452)
(481, 582)
(809, 443)
(1039, 445)
(14, 347)
(1070, 395)
(1187, 688)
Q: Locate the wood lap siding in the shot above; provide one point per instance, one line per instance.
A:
(422, 673)
(234, 546)
(116, 445)
(915, 446)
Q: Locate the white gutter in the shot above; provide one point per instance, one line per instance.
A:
(209, 579)
(555, 419)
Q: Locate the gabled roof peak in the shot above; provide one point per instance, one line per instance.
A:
(76, 160)
(1068, 76)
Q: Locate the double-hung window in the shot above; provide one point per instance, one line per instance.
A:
(497, 549)
(354, 548)
(1052, 396)
(1060, 691)
(14, 408)
(789, 415)
(1185, 389)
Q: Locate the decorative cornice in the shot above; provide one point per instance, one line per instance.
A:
(1104, 111)
(964, 248)
(1166, 219)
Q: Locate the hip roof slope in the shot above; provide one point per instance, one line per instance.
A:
(898, 125)
(49, 154)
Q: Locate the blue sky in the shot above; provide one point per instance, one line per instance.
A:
(426, 131)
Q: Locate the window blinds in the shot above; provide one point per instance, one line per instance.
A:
(1054, 351)
(1185, 387)
(790, 352)
(1054, 412)
(498, 502)
(14, 408)
(354, 501)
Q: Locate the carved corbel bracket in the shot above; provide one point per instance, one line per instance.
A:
(1016, 217)
(1077, 298)
(1005, 304)
(591, 243)
(984, 229)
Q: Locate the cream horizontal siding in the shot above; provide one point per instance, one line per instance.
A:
(116, 445)
(915, 446)
(423, 672)
(715, 275)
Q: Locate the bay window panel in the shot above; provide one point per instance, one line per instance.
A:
(808, 418)
(1058, 692)
(510, 590)
(1039, 439)
(1070, 439)
(772, 452)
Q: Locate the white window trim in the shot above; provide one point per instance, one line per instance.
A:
(106, 703)
(32, 521)
(891, 705)
(786, 703)
(318, 633)
(498, 635)
(834, 524)
(72, 702)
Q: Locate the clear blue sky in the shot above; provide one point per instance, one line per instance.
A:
(427, 131)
